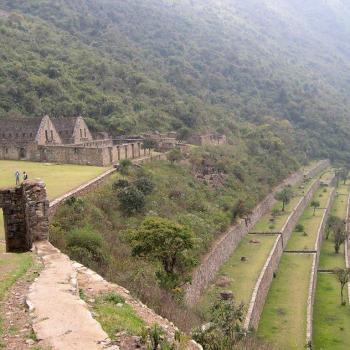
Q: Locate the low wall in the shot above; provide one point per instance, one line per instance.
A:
(313, 277)
(264, 281)
(224, 247)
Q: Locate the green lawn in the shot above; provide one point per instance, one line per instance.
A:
(265, 224)
(331, 320)
(59, 179)
(306, 240)
(283, 321)
(12, 267)
(240, 276)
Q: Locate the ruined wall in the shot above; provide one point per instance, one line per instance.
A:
(25, 211)
(224, 247)
(313, 276)
(264, 281)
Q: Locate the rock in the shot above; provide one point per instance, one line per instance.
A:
(254, 241)
(244, 258)
(30, 341)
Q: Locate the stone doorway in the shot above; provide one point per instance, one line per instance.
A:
(26, 219)
(22, 153)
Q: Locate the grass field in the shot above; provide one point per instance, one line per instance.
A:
(59, 179)
(331, 320)
(266, 225)
(12, 267)
(306, 240)
(283, 321)
(240, 276)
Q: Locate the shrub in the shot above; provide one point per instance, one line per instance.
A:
(113, 298)
(174, 155)
(131, 200)
(86, 246)
(145, 185)
(299, 228)
(120, 183)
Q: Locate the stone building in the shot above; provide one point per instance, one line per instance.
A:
(207, 139)
(62, 140)
(165, 141)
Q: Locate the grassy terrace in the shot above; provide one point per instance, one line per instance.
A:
(331, 320)
(327, 175)
(241, 276)
(283, 320)
(306, 240)
(59, 179)
(12, 267)
(266, 225)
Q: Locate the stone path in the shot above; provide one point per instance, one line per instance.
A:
(61, 320)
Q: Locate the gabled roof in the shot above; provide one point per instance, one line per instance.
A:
(64, 125)
(20, 126)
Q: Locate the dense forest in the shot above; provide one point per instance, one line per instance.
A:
(185, 65)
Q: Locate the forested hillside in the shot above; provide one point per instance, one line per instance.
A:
(189, 64)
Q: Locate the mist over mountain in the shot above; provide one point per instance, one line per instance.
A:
(188, 65)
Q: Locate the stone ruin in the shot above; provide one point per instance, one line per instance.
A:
(26, 218)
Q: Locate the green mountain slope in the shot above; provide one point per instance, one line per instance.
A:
(194, 64)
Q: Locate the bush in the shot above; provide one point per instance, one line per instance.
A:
(86, 246)
(131, 200)
(113, 298)
(299, 228)
(121, 183)
(145, 185)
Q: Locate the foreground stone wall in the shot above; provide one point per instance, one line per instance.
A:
(224, 247)
(25, 209)
(347, 243)
(264, 281)
(315, 261)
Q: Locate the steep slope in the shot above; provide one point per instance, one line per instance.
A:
(203, 63)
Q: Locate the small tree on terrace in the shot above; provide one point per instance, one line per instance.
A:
(284, 196)
(124, 167)
(334, 223)
(174, 155)
(163, 240)
(149, 144)
(339, 239)
(315, 205)
(343, 278)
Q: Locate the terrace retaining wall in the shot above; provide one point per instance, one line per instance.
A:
(313, 277)
(264, 281)
(225, 246)
(347, 243)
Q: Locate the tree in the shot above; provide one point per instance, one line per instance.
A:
(174, 155)
(334, 223)
(343, 278)
(315, 205)
(167, 242)
(239, 210)
(284, 196)
(131, 200)
(119, 184)
(124, 166)
(224, 329)
(145, 185)
(149, 144)
(339, 238)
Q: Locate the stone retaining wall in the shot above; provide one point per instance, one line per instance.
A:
(264, 281)
(224, 247)
(313, 277)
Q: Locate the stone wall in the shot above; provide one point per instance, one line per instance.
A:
(347, 243)
(224, 247)
(25, 209)
(313, 276)
(264, 281)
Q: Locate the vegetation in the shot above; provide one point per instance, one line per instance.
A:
(284, 196)
(167, 242)
(315, 204)
(343, 276)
